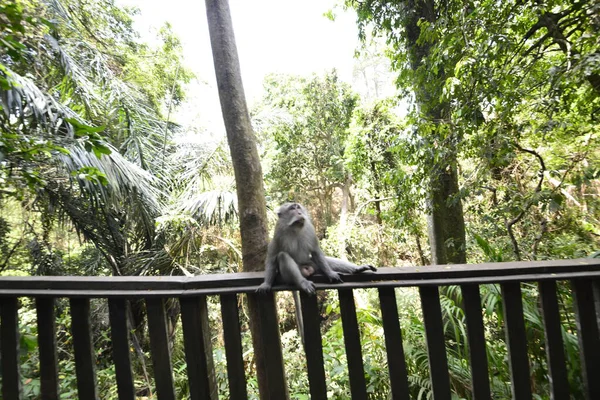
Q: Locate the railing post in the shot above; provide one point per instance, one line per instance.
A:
(198, 348)
(475, 336)
(393, 343)
(84, 348)
(436, 346)
(117, 311)
(46, 324)
(233, 347)
(9, 348)
(159, 348)
(356, 369)
(271, 346)
(516, 341)
(313, 347)
(587, 333)
(596, 289)
(557, 370)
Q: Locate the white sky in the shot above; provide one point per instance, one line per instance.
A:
(272, 36)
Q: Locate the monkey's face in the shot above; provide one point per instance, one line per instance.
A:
(293, 214)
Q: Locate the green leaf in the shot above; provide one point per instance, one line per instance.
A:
(330, 15)
(99, 150)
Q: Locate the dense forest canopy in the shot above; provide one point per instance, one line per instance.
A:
(469, 134)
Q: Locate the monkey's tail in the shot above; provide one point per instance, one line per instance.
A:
(299, 320)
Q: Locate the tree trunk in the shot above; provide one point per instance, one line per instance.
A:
(446, 221)
(246, 165)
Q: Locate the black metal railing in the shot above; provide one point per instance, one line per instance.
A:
(192, 293)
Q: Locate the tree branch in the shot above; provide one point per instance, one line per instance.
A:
(538, 188)
(9, 255)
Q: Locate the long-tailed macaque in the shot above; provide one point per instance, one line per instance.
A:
(294, 253)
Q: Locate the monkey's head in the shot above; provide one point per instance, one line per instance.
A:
(293, 215)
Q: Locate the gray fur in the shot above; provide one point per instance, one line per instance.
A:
(294, 253)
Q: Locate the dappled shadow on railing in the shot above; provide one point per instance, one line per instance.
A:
(583, 275)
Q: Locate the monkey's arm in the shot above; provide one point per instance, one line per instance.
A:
(323, 265)
(270, 271)
(347, 267)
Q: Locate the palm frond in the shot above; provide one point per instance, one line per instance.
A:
(90, 71)
(129, 187)
(26, 107)
(151, 262)
(124, 177)
(213, 207)
(195, 162)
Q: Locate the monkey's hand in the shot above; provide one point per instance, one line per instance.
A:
(334, 277)
(264, 288)
(308, 287)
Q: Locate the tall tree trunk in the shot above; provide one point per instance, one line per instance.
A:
(246, 165)
(446, 220)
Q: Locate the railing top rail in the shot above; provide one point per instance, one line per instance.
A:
(175, 286)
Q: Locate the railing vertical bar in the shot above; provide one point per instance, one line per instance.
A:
(436, 346)
(46, 325)
(159, 348)
(557, 370)
(356, 370)
(84, 348)
(516, 341)
(596, 289)
(477, 348)
(236, 374)
(198, 353)
(393, 343)
(117, 311)
(314, 347)
(271, 346)
(210, 362)
(9, 348)
(587, 333)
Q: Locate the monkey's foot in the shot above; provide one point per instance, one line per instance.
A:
(308, 287)
(264, 288)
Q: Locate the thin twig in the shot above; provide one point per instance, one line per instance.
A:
(538, 188)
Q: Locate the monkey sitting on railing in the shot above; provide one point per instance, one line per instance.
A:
(294, 253)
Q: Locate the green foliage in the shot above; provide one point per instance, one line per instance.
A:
(493, 255)
(304, 123)
(512, 90)
(372, 137)
(91, 60)
(158, 71)
(82, 126)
